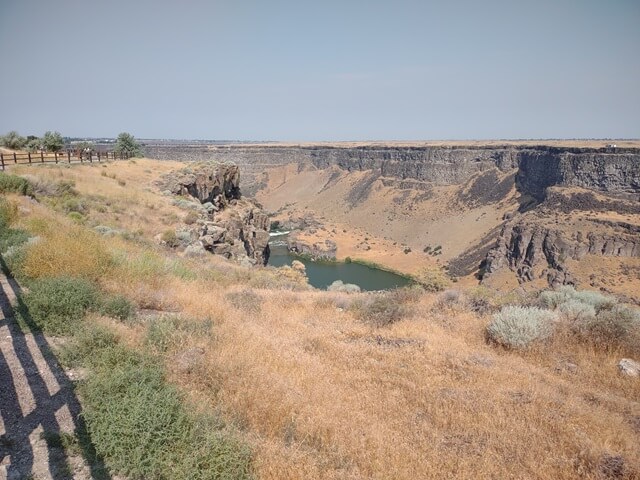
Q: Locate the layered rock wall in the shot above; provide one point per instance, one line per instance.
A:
(537, 167)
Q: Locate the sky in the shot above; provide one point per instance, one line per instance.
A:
(321, 70)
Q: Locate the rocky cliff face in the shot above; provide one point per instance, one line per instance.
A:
(217, 184)
(537, 167)
(604, 171)
(230, 225)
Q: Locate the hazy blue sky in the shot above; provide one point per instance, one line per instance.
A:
(321, 70)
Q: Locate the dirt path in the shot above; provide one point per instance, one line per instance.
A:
(42, 435)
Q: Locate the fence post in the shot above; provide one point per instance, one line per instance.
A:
(42, 156)
(98, 156)
(15, 158)
(69, 155)
(56, 157)
(29, 153)
(2, 160)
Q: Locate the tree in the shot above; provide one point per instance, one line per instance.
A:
(52, 141)
(126, 145)
(14, 141)
(34, 144)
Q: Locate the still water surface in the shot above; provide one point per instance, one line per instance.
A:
(323, 274)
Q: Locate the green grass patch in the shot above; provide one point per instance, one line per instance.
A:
(139, 424)
(14, 184)
(57, 305)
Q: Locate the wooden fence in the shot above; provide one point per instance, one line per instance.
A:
(59, 157)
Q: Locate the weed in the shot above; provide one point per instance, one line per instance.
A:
(8, 212)
(170, 239)
(57, 305)
(380, 310)
(72, 251)
(118, 306)
(77, 218)
(85, 343)
(245, 300)
(139, 424)
(15, 184)
(191, 218)
(611, 328)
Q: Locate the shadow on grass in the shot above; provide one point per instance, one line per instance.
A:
(18, 425)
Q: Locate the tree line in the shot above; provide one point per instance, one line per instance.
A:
(55, 142)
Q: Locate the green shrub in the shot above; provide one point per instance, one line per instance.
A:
(57, 305)
(138, 423)
(118, 306)
(14, 184)
(519, 327)
(553, 298)
(85, 343)
(77, 217)
(12, 238)
(73, 204)
(170, 238)
(8, 213)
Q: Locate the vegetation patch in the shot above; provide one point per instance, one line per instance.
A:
(14, 184)
(58, 305)
(138, 422)
(384, 309)
(519, 327)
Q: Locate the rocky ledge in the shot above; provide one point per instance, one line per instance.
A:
(229, 225)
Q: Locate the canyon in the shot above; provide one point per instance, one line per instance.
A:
(514, 215)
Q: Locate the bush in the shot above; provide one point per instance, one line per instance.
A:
(191, 218)
(14, 184)
(519, 327)
(553, 299)
(8, 213)
(611, 328)
(433, 280)
(57, 305)
(119, 307)
(14, 140)
(575, 310)
(170, 238)
(380, 310)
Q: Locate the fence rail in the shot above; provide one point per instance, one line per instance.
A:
(59, 157)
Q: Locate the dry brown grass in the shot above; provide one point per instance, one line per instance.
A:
(323, 395)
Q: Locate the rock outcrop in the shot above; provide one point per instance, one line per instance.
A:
(213, 183)
(234, 227)
(315, 250)
(535, 251)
